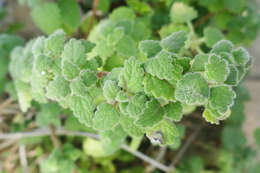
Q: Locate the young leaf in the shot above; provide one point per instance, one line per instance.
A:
(221, 98)
(199, 62)
(69, 70)
(216, 70)
(168, 131)
(106, 117)
(222, 46)
(49, 114)
(192, 89)
(241, 56)
(174, 111)
(150, 47)
(152, 115)
(160, 66)
(54, 43)
(110, 91)
(136, 105)
(158, 88)
(174, 42)
(129, 126)
(181, 13)
(133, 75)
(83, 108)
(58, 88)
(212, 36)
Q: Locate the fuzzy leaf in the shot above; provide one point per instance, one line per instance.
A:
(152, 115)
(150, 47)
(160, 66)
(133, 75)
(83, 108)
(181, 13)
(54, 44)
(106, 117)
(216, 70)
(129, 126)
(136, 105)
(241, 56)
(212, 36)
(192, 89)
(221, 98)
(199, 62)
(167, 129)
(110, 91)
(174, 111)
(174, 42)
(158, 88)
(222, 46)
(49, 114)
(69, 70)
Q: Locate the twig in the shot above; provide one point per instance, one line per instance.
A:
(23, 158)
(158, 158)
(93, 16)
(6, 144)
(62, 131)
(5, 103)
(54, 138)
(147, 159)
(185, 146)
(203, 19)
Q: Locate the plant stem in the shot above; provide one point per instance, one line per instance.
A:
(135, 143)
(93, 16)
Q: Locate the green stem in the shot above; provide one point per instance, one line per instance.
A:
(135, 143)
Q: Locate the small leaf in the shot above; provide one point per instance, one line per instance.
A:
(129, 126)
(212, 36)
(58, 88)
(88, 77)
(222, 46)
(216, 70)
(241, 56)
(150, 47)
(69, 70)
(158, 88)
(24, 95)
(168, 131)
(174, 111)
(78, 87)
(174, 42)
(133, 75)
(122, 97)
(209, 117)
(110, 91)
(199, 62)
(106, 117)
(49, 114)
(152, 115)
(181, 13)
(160, 66)
(83, 108)
(54, 43)
(232, 78)
(136, 105)
(221, 98)
(192, 89)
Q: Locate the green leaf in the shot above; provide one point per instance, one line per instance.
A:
(115, 36)
(133, 75)
(181, 13)
(168, 131)
(110, 91)
(241, 56)
(192, 89)
(150, 47)
(235, 7)
(174, 42)
(158, 88)
(58, 88)
(74, 52)
(174, 111)
(42, 64)
(24, 95)
(113, 139)
(106, 117)
(212, 36)
(152, 115)
(69, 70)
(49, 114)
(198, 64)
(93, 148)
(209, 117)
(160, 66)
(47, 17)
(139, 6)
(129, 126)
(222, 46)
(122, 97)
(232, 78)
(78, 87)
(70, 12)
(126, 46)
(216, 70)
(136, 106)
(88, 77)
(54, 44)
(221, 98)
(122, 13)
(83, 108)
